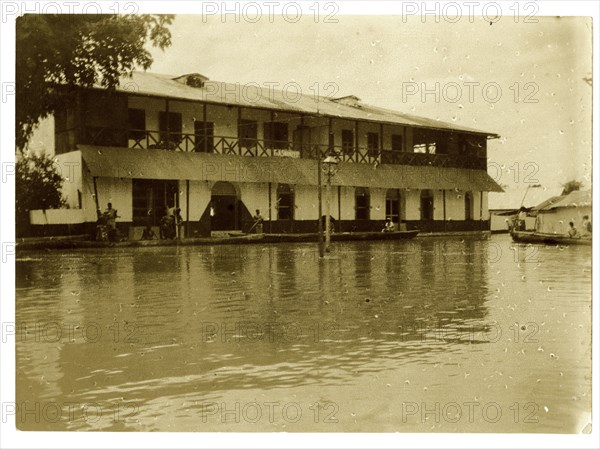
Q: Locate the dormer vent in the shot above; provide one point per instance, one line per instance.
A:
(349, 100)
(192, 80)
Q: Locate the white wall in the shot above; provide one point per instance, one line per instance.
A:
(118, 192)
(413, 204)
(42, 139)
(556, 221)
(69, 166)
(199, 199)
(56, 216)
(377, 204)
(348, 203)
(256, 196)
(306, 198)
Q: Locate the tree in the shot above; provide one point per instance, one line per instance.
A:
(55, 53)
(38, 185)
(571, 186)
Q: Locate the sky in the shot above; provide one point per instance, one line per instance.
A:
(535, 95)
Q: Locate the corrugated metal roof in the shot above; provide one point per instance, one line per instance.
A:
(162, 164)
(512, 199)
(252, 95)
(545, 204)
(573, 199)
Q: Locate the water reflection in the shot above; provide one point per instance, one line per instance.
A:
(164, 326)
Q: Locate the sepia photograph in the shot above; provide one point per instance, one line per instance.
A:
(318, 218)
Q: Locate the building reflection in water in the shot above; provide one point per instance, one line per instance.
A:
(202, 320)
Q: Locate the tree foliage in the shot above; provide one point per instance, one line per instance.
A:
(55, 53)
(38, 184)
(571, 186)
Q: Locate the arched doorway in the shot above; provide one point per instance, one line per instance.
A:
(468, 206)
(224, 205)
(426, 205)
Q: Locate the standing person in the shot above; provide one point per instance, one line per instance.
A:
(521, 219)
(178, 221)
(258, 222)
(110, 215)
(167, 224)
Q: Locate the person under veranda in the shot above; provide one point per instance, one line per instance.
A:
(148, 233)
(258, 222)
(110, 216)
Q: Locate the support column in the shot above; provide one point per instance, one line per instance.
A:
(330, 136)
(444, 202)
(271, 128)
(167, 124)
(270, 215)
(339, 198)
(187, 208)
(356, 140)
(320, 203)
(239, 109)
(205, 144)
(301, 133)
(480, 205)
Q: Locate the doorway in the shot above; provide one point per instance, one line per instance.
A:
(151, 198)
(224, 205)
(426, 205)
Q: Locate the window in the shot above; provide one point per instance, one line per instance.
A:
(247, 133)
(137, 124)
(285, 202)
(347, 141)
(468, 206)
(473, 146)
(170, 129)
(392, 205)
(301, 138)
(204, 137)
(426, 205)
(425, 141)
(276, 135)
(397, 142)
(362, 203)
(420, 148)
(373, 143)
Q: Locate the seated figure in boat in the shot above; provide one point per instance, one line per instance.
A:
(389, 226)
(573, 232)
(586, 226)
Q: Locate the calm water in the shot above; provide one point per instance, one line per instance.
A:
(426, 335)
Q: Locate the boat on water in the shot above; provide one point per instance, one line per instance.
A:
(336, 237)
(563, 220)
(549, 239)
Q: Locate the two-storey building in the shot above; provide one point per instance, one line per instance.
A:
(220, 151)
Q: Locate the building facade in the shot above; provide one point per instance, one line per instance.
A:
(221, 151)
